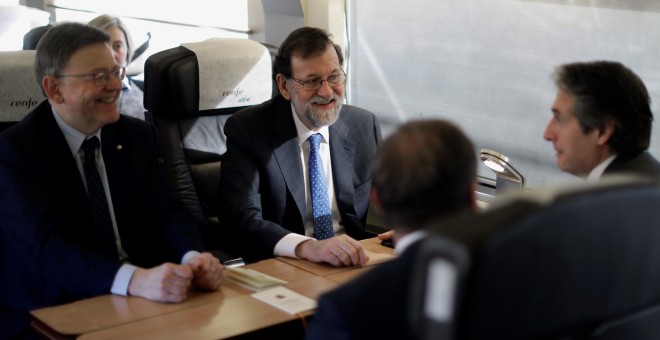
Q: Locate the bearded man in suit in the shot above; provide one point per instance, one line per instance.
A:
(265, 186)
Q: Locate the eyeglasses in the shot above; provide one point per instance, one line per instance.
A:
(99, 78)
(316, 83)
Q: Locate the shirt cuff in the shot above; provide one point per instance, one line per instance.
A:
(123, 279)
(287, 245)
(188, 256)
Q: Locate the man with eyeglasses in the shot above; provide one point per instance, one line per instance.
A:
(86, 208)
(296, 176)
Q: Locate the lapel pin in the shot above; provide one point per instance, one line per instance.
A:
(119, 147)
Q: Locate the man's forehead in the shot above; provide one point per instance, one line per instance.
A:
(93, 56)
(318, 66)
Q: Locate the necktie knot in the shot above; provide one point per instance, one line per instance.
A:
(315, 141)
(89, 147)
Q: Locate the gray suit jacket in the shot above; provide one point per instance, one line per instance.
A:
(261, 188)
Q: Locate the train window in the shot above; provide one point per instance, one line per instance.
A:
(487, 64)
(168, 23)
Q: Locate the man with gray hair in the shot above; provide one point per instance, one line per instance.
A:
(85, 205)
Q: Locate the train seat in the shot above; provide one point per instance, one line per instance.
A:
(20, 92)
(190, 91)
(574, 263)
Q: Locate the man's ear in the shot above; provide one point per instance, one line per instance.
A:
(375, 201)
(605, 133)
(51, 86)
(282, 85)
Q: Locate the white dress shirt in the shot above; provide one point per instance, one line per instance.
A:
(597, 172)
(287, 245)
(406, 240)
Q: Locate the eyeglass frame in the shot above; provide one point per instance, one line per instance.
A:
(319, 82)
(98, 78)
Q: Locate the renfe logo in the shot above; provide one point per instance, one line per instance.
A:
(24, 103)
(234, 93)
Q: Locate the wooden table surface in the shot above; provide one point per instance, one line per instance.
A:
(225, 313)
(376, 252)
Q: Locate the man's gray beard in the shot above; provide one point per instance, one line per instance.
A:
(320, 118)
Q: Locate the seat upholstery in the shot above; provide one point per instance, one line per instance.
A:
(190, 91)
(19, 90)
(572, 263)
(642, 325)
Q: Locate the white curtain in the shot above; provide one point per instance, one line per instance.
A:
(486, 65)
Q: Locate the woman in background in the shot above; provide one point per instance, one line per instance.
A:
(131, 101)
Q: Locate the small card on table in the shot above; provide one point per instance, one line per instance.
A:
(286, 300)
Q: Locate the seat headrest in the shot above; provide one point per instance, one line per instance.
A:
(19, 91)
(216, 74)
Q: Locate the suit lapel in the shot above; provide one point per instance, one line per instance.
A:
(52, 146)
(287, 153)
(342, 153)
(57, 164)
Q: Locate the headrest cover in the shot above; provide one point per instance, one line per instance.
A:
(232, 73)
(19, 91)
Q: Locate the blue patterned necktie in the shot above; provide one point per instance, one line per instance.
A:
(103, 230)
(321, 214)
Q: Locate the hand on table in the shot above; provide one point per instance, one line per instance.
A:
(388, 235)
(208, 272)
(168, 282)
(338, 251)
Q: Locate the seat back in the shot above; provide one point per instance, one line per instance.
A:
(556, 264)
(642, 325)
(190, 91)
(19, 91)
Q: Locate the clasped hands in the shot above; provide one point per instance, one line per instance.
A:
(170, 282)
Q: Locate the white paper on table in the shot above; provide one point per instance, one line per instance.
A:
(286, 300)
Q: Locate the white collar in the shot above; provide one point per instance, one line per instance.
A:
(597, 172)
(406, 240)
(74, 138)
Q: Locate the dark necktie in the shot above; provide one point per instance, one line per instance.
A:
(321, 214)
(103, 230)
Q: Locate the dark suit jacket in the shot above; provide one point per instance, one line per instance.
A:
(261, 187)
(47, 254)
(373, 306)
(642, 164)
